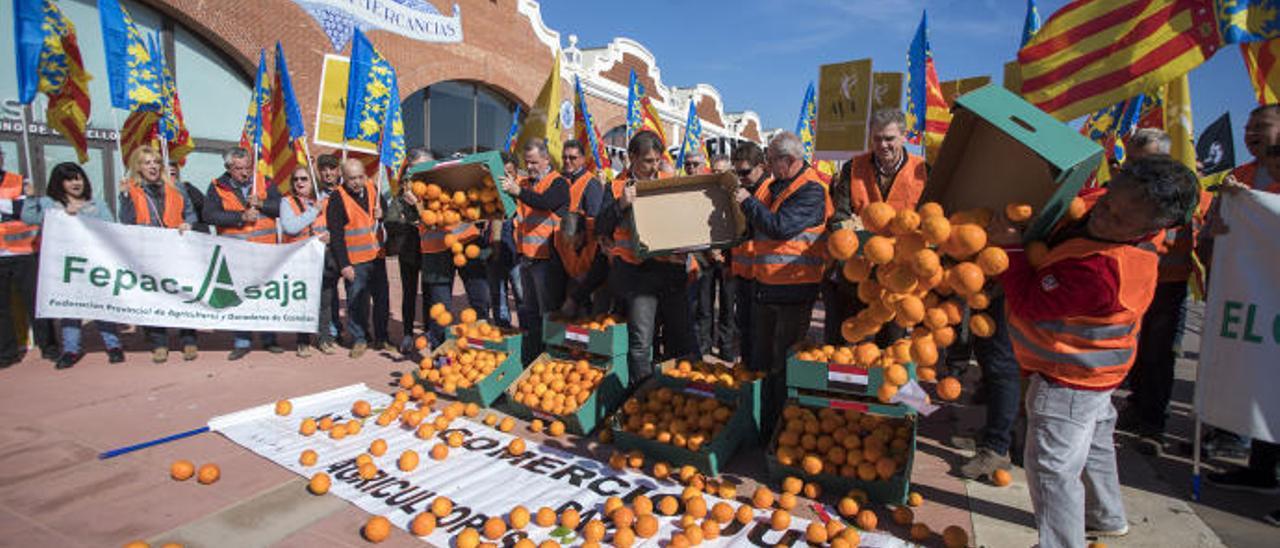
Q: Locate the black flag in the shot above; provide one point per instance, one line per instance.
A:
(1216, 149)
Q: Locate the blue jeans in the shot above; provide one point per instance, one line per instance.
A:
(1001, 378)
(437, 285)
(654, 290)
(543, 283)
(159, 337)
(370, 284)
(71, 335)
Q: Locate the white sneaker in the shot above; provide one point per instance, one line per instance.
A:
(1107, 533)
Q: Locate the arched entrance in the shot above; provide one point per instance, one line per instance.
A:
(457, 116)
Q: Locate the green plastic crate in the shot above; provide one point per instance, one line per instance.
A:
(611, 341)
(607, 396)
(891, 491)
(836, 377)
(486, 390)
(509, 343)
(747, 395)
(710, 459)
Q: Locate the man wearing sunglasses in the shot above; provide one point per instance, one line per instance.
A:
(574, 242)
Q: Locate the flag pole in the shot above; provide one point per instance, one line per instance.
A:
(1195, 461)
(164, 154)
(115, 121)
(311, 166)
(26, 148)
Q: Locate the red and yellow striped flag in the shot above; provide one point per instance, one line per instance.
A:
(1262, 59)
(64, 80)
(1094, 53)
(283, 153)
(139, 129)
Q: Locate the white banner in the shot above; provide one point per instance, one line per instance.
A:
(481, 478)
(1240, 341)
(152, 276)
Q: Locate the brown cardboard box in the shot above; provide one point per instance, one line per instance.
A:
(683, 214)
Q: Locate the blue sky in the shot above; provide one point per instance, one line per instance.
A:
(762, 54)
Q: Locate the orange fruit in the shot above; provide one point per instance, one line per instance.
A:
(842, 244)
(423, 524)
(535, 426)
(982, 325)
(696, 507)
(444, 319)
(847, 507)
(930, 209)
(949, 388)
(886, 392)
(935, 230)
(1018, 213)
(763, 497)
(556, 429)
(722, 512)
(284, 407)
(545, 517)
(570, 518)
(910, 311)
(792, 484)
(978, 301)
(915, 499)
(904, 222)
(439, 451)
(646, 526)
(661, 470)
(623, 518)
(878, 250)
(1001, 477)
(307, 458)
(780, 520)
(307, 427)
(437, 309)
(967, 278)
(467, 316)
(494, 528)
(377, 529)
(642, 505)
(925, 263)
(208, 473)
(920, 532)
(459, 260)
(1036, 252)
(431, 191)
(896, 375)
(182, 470)
(965, 240)
(516, 447)
(1077, 209)
(744, 515)
(816, 533)
(924, 352)
(362, 409)
(866, 520)
(471, 251)
(903, 515)
(319, 483)
(378, 447)
(926, 374)
(877, 216)
(593, 531)
(955, 536)
(993, 261)
(812, 465)
(408, 460)
(856, 269)
(469, 537)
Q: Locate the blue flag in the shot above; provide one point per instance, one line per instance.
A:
(1032, 23)
(392, 151)
(635, 90)
(292, 114)
(513, 132)
(805, 124)
(251, 135)
(133, 80)
(368, 91)
(28, 41)
(692, 142)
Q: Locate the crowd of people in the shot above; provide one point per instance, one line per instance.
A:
(1104, 308)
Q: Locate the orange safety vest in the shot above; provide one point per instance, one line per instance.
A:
(577, 263)
(16, 237)
(360, 232)
(431, 240)
(799, 260)
(740, 257)
(170, 217)
(1091, 352)
(904, 193)
(537, 226)
(262, 231)
(317, 227)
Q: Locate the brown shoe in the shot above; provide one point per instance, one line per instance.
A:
(304, 351)
(326, 347)
(358, 349)
(190, 352)
(160, 355)
(985, 463)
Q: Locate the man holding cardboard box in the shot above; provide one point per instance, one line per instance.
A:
(788, 223)
(543, 197)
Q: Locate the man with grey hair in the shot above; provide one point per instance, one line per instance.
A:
(1146, 142)
(354, 218)
(787, 219)
(246, 208)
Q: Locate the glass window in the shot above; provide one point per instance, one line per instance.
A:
(493, 119)
(413, 111)
(202, 168)
(460, 117)
(12, 156)
(206, 79)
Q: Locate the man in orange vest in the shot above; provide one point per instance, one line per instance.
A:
(18, 245)
(354, 216)
(1074, 320)
(242, 207)
(749, 167)
(575, 243)
(788, 223)
(543, 197)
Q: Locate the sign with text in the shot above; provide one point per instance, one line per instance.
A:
(415, 19)
(331, 111)
(844, 106)
(1241, 335)
(139, 275)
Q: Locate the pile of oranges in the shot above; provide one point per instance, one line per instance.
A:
(598, 322)
(844, 443)
(438, 207)
(893, 360)
(557, 387)
(684, 420)
(712, 373)
(454, 367)
(479, 331)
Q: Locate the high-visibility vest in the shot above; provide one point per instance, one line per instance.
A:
(360, 233)
(741, 257)
(16, 237)
(431, 240)
(799, 260)
(1092, 352)
(262, 231)
(577, 263)
(170, 216)
(904, 193)
(317, 227)
(537, 226)
(1246, 173)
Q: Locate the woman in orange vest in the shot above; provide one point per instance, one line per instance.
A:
(69, 190)
(1074, 321)
(301, 218)
(147, 199)
(18, 245)
(543, 197)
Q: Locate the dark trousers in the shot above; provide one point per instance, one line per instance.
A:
(158, 337)
(1263, 458)
(370, 284)
(1000, 378)
(839, 301)
(437, 286)
(714, 312)
(328, 307)
(542, 281)
(779, 326)
(743, 320)
(653, 290)
(18, 278)
(410, 265)
(504, 278)
(1151, 378)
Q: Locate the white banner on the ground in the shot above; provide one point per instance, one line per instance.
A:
(1240, 343)
(139, 275)
(481, 478)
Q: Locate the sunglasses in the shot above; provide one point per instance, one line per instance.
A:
(742, 172)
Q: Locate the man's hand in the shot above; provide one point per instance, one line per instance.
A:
(409, 197)
(741, 195)
(1001, 232)
(324, 237)
(716, 255)
(28, 189)
(1231, 184)
(255, 202)
(510, 186)
(377, 212)
(349, 273)
(250, 215)
(628, 195)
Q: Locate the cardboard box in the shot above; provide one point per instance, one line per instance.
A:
(485, 390)
(1001, 149)
(468, 172)
(747, 394)
(606, 397)
(610, 341)
(684, 214)
(710, 459)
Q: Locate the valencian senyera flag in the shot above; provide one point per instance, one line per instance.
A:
(586, 133)
(391, 150)
(635, 90)
(171, 127)
(650, 121)
(692, 142)
(806, 123)
(1262, 60)
(368, 91)
(928, 117)
(513, 132)
(286, 131)
(49, 62)
(1093, 53)
(133, 81)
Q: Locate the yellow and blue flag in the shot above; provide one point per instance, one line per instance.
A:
(928, 117)
(49, 61)
(259, 102)
(513, 131)
(132, 78)
(635, 91)
(806, 125)
(584, 130)
(368, 91)
(1032, 22)
(171, 126)
(392, 149)
(692, 141)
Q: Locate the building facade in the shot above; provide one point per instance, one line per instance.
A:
(463, 69)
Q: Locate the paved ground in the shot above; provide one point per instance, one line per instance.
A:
(55, 492)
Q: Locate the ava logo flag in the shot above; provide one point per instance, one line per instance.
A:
(1241, 335)
(416, 19)
(140, 275)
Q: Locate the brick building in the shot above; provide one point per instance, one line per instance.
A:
(462, 68)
